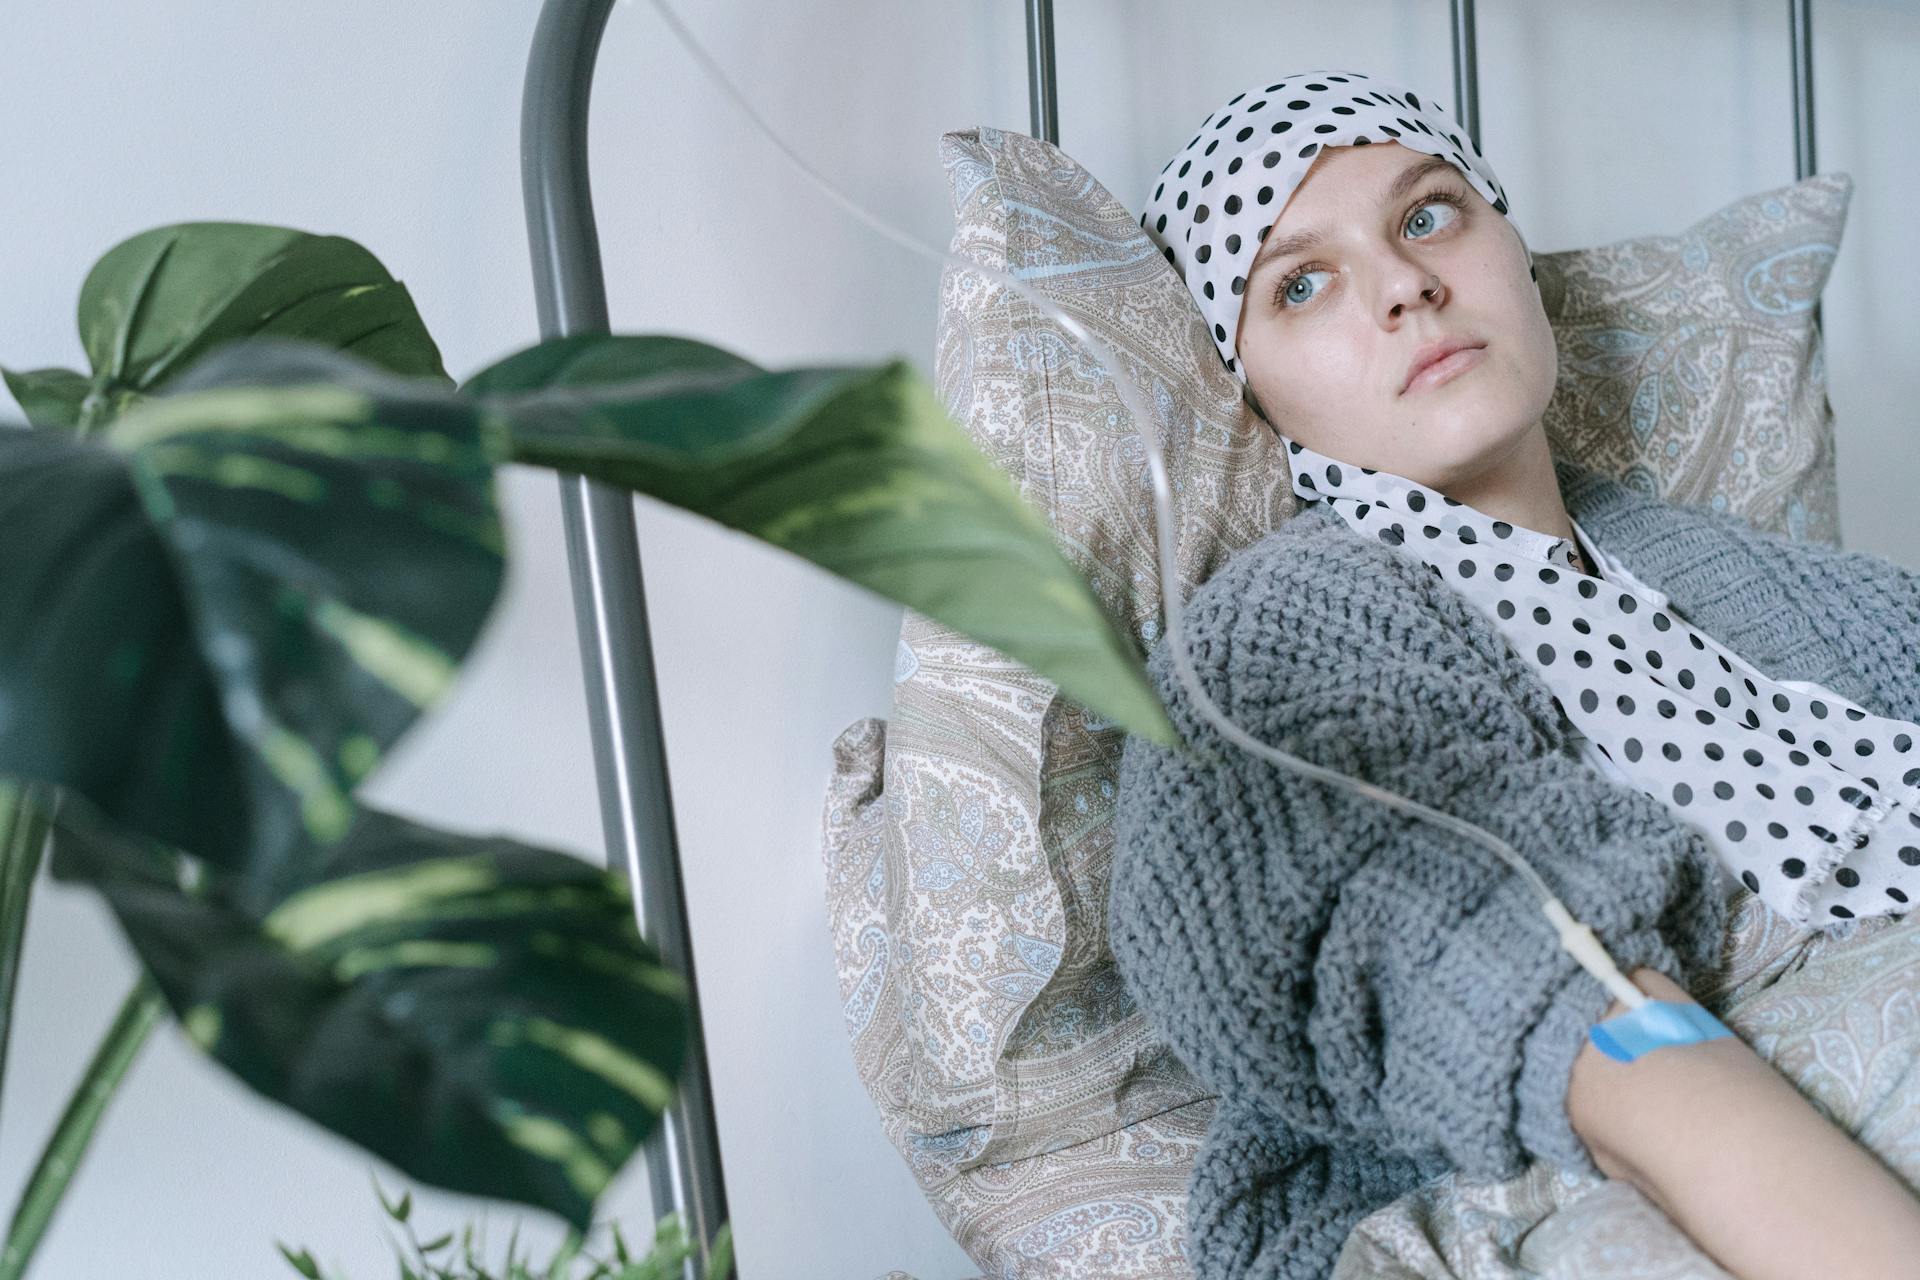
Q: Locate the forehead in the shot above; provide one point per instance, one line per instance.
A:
(1339, 172)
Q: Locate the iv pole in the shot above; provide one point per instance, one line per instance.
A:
(609, 595)
(610, 604)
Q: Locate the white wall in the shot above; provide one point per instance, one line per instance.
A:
(395, 124)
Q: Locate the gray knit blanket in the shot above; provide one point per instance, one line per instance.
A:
(1379, 1003)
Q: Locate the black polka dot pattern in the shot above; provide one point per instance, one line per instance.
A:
(1806, 798)
(1213, 203)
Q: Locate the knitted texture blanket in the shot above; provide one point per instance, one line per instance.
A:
(1377, 1000)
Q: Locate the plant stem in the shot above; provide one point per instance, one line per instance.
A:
(25, 817)
(142, 1009)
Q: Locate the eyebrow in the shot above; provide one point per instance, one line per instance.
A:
(1301, 241)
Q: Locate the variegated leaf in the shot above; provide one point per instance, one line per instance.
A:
(220, 612)
(480, 1012)
(858, 469)
(157, 302)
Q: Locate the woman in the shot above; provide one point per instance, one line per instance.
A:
(1453, 616)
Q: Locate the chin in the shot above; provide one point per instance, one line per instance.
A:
(1470, 424)
(1466, 440)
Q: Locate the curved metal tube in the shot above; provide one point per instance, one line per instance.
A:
(1466, 70)
(610, 607)
(1043, 90)
(1800, 24)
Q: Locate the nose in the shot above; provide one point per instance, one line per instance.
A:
(1411, 285)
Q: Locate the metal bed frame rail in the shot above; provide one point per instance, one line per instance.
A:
(603, 549)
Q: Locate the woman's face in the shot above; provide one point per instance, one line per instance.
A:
(1407, 253)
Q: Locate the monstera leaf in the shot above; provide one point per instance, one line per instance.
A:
(479, 1012)
(220, 610)
(858, 469)
(155, 303)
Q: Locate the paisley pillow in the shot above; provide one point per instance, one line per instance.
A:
(967, 838)
(1689, 364)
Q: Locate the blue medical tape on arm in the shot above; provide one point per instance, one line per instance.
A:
(1654, 1025)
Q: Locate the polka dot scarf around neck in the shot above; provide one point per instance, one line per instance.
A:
(1809, 799)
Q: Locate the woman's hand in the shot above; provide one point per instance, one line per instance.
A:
(1742, 1162)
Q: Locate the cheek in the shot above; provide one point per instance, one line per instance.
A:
(1529, 356)
(1317, 374)
(1525, 305)
(1542, 351)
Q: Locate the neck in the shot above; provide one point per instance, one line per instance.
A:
(1521, 488)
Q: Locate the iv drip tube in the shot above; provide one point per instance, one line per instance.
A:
(1578, 939)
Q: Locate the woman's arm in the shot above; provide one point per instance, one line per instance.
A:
(1741, 1161)
(1344, 972)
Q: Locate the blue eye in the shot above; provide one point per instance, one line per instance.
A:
(1287, 295)
(1421, 214)
(1421, 222)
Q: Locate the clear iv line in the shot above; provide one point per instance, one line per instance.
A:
(1578, 939)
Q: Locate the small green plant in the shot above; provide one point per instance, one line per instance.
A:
(439, 1259)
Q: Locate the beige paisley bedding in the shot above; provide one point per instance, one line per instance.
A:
(1836, 1010)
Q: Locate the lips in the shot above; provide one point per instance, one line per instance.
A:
(1433, 353)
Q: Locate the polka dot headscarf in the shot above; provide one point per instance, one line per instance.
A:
(1808, 799)
(1214, 202)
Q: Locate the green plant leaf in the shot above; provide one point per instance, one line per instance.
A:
(219, 613)
(859, 470)
(720, 1257)
(562, 1260)
(50, 397)
(392, 1209)
(479, 1012)
(302, 1261)
(159, 301)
